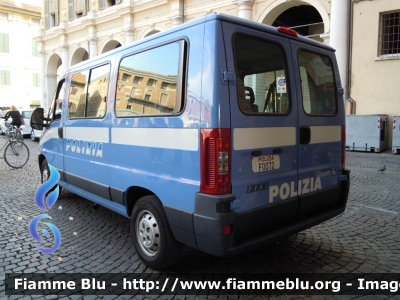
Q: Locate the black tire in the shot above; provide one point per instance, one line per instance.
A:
(33, 138)
(16, 154)
(152, 236)
(45, 174)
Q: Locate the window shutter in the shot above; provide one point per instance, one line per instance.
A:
(4, 45)
(71, 13)
(4, 77)
(46, 15)
(56, 14)
(78, 6)
(84, 7)
(34, 48)
(101, 4)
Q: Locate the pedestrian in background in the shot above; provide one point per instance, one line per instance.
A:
(14, 114)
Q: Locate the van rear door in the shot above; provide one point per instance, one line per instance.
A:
(321, 125)
(263, 128)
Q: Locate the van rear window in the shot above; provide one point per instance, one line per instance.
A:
(260, 76)
(317, 84)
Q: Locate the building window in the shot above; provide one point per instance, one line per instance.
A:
(151, 82)
(102, 4)
(35, 51)
(389, 33)
(36, 80)
(4, 43)
(4, 77)
(51, 13)
(137, 79)
(125, 77)
(77, 8)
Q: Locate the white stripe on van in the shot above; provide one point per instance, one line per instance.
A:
(167, 138)
(94, 134)
(325, 134)
(250, 138)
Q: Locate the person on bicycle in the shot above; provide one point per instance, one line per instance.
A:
(14, 114)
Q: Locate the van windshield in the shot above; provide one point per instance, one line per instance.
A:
(260, 76)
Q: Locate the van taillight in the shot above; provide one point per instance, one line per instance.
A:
(343, 147)
(215, 145)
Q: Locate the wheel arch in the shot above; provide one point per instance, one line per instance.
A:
(133, 194)
(41, 158)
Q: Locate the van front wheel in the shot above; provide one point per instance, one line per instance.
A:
(45, 174)
(152, 235)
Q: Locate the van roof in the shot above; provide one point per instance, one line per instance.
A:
(267, 28)
(208, 18)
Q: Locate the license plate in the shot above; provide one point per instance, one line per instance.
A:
(266, 163)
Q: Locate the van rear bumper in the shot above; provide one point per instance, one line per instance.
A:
(212, 213)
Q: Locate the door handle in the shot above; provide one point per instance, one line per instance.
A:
(60, 132)
(305, 135)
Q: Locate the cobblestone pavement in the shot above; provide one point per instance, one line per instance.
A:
(364, 239)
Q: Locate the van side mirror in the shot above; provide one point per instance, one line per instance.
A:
(37, 119)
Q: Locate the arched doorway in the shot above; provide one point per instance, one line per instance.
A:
(79, 55)
(53, 70)
(308, 17)
(305, 19)
(151, 33)
(110, 46)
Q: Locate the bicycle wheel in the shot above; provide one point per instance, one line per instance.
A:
(18, 135)
(16, 154)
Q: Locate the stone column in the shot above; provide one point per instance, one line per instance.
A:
(129, 37)
(65, 57)
(326, 37)
(244, 8)
(51, 84)
(93, 48)
(176, 21)
(43, 91)
(339, 37)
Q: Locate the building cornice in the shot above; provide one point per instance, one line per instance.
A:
(20, 10)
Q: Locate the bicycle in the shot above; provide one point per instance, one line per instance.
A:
(14, 133)
(16, 153)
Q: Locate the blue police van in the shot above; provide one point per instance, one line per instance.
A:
(222, 134)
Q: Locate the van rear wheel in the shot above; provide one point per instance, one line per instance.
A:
(152, 235)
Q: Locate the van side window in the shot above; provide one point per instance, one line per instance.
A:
(56, 107)
(148, 82)
(88, 93)
(260, 76)
(317, 84)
